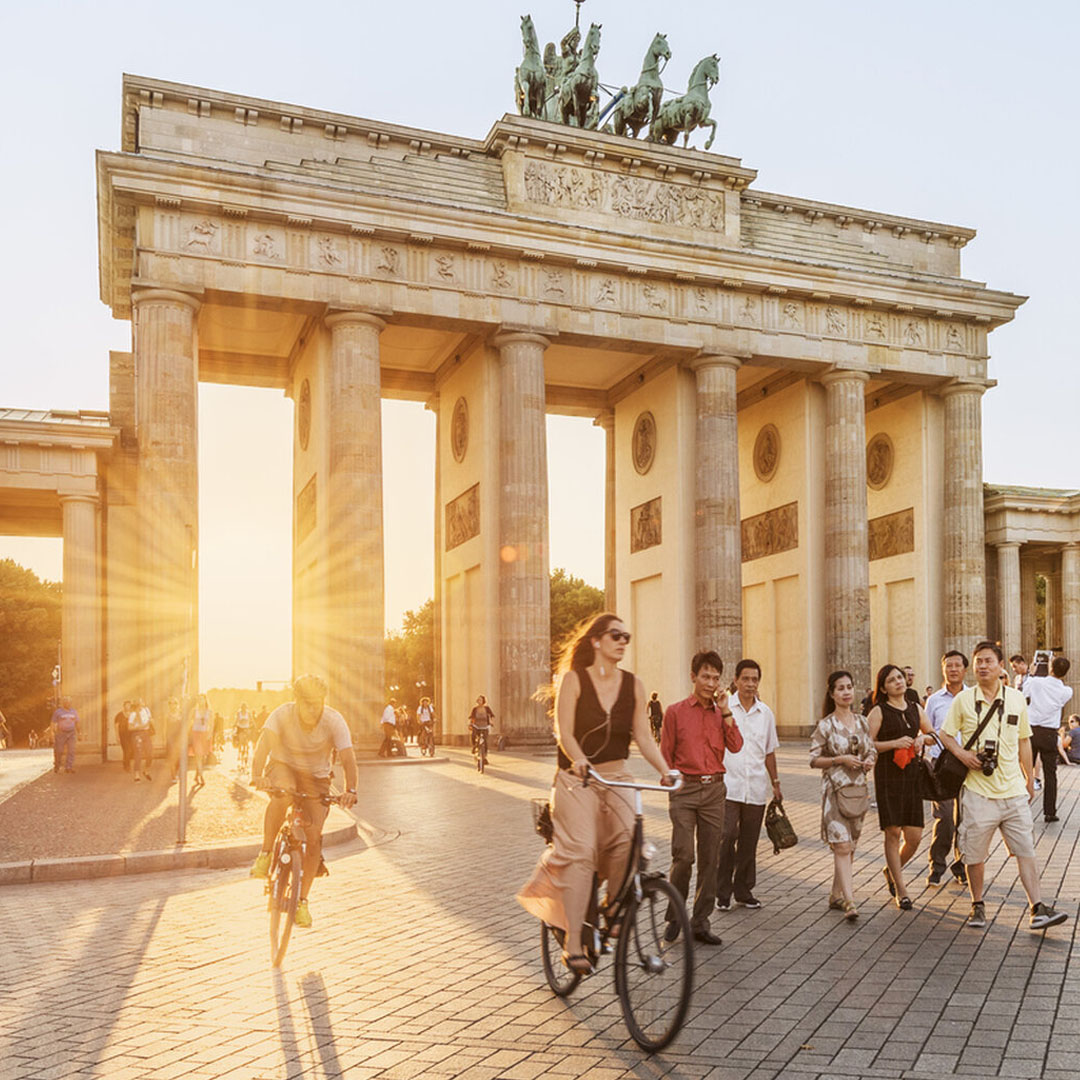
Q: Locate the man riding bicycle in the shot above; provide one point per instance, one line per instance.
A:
(299, 739)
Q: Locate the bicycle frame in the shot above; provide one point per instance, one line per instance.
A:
(631, 883)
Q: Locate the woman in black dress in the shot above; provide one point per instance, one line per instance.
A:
(897, 727)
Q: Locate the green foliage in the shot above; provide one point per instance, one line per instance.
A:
(572, 601)
(29, 630)
(410, 657)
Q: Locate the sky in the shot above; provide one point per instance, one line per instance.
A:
(956, 111)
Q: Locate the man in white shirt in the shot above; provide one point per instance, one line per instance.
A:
(1047, 696)
(751, 779)
(954, 665)
(389, 727)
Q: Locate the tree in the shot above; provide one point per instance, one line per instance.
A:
(29, 629)
(572, 601)
(409, 656)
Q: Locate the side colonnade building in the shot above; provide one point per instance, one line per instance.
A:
(790, 391)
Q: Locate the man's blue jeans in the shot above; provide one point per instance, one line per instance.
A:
(64, 743)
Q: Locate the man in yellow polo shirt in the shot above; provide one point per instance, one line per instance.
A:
(1000, 782)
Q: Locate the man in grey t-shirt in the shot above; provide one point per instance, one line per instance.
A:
(296, 750)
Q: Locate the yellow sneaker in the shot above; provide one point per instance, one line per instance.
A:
(303, 916)
(262, 865)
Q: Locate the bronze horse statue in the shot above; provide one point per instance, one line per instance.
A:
(530, 79)
(684, 114)
(640, 105)
(578, 101)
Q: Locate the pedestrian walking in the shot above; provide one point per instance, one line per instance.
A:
(842, 748)
(598, 708)
(123, 736)
(896, 726)
(697, 732)
(751, 779)
(954, 665)
(999, 784)
(65, 732)
(141, 730)
(202, 723)
(1047, 695)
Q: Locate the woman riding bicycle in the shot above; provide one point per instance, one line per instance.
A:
(597, 709)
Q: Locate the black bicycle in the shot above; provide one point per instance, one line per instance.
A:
(286, 877)
(481, 749)
(426, 739)
(654, 977)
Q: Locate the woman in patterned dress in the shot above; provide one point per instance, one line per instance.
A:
(897, 726)
(842, 748)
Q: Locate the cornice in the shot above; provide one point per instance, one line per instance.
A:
(127, 180)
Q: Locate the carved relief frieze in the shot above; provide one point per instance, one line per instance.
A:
(463, 517)
(770, 533)
(892, 534)
(646, 525)
(634, 198)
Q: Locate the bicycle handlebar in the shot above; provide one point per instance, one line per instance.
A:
(669, 788)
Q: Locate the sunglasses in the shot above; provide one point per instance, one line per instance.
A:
(618, 635)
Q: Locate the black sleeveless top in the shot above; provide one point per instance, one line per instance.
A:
(602, 736)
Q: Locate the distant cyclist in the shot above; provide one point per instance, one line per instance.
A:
(480, 719)
(299, 739)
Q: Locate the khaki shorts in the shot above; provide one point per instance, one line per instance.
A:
(980, 817)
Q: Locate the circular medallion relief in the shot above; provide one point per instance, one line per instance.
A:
(644, 444)
(879, 461)
(766, 453)
(303, 418)
(459, 429)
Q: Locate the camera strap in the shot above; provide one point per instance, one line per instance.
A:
(998, 705)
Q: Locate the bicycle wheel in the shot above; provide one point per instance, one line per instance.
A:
(654, 978)
(284, 896)
(559, 977)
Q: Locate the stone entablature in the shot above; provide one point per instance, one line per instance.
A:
(391, 249)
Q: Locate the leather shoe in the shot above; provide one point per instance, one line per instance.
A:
(671, 932)
(707, 937)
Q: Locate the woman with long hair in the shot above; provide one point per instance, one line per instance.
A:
(898, 728)
(598, 708)
(842, 748)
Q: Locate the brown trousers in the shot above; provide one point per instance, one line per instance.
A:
(696, 812)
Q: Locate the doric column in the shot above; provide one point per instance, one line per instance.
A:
(81, 617)
(1008, 557)
(717, 538)
(847, 565)
(524, 580)
(1070, 618)
(606, 420)
(964, 550)
(1028, 608)
(166, 413)
(355, 616)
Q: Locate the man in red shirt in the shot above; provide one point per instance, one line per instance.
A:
(695, 734)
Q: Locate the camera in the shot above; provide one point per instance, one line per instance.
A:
(988, 757)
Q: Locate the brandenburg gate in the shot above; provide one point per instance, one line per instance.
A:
(790, 391)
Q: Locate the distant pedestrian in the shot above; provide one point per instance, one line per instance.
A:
(389, 729)
(123, 736)
(141, 731)
(896, 726)
(751, 779)
(954, 665)
(656, 715)
(65, 731)
(842, 748)
(202, 722)
(1047, 696)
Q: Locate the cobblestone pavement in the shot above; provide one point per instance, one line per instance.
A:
(421, 964)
